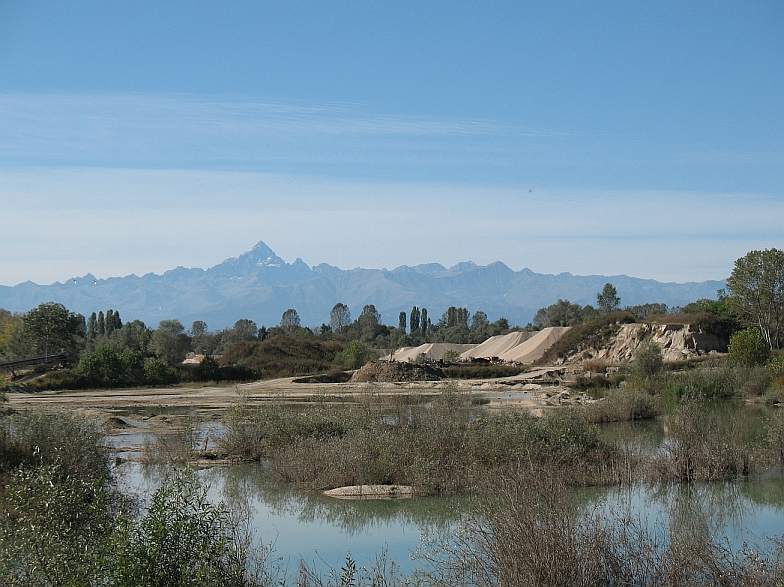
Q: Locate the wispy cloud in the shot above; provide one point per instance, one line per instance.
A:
(119, 221)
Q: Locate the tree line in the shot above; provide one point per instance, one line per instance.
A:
(108, 351)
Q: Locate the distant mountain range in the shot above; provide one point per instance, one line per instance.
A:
(260, 286)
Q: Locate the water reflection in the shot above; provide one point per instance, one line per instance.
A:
(749, 510)
(310, 526)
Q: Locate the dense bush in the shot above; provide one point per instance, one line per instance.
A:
(648, 360)
(283, 356)
(622, 406)
(748, 348)
(182, 540)
(437, 448)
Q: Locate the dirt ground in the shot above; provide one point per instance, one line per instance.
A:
(520, 391)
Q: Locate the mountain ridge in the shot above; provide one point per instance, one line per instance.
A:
(260, 285)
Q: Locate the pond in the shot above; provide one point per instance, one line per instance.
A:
(304, 525)
(308, 526)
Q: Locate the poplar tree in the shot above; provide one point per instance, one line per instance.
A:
(92, 327)
(414, 322)
(101, 324)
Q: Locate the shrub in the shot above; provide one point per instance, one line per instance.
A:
(622, 406)
(158, 372)
(182, 540)
(354, 356)
(748, 348)
(73, 444)
(451, 356)
(59, 532)
(648, 360)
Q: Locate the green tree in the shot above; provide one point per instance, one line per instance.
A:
(198, 328)
(52, 328)
(607, 299)
(339, 317)
(401, 322)
(414, 321)
(245, 329)
(561, 313)
(648, 360)
(169, 341)
(92, 326)
(103, 367)
(354, 356)
(756, 293)
(289, 321)
(101, 324)
(109, 322)
(749, 348)
(368, 322)
(157, 372)
(479, 320)
(425, 322)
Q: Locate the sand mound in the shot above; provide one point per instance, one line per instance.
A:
(371, 492)
(495, 346)
(433, 351)
(396, 372)
(534, 347)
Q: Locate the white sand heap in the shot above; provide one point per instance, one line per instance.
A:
(434, 351)
(533, 348)
(495, 346)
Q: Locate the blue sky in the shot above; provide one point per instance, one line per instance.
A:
(601, 137)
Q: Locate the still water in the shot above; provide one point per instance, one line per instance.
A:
(308, 526)
(303, 525)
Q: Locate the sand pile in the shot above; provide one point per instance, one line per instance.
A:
(434, 351)
(396, 372)
(495, 346)
(534, 347)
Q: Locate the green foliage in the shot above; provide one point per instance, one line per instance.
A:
(563, 313)
(607, 299)
(719, 307)
(749, 348)
(71, 444)
(183, 540)
(283, 356)
(648, 360)
(169, 342)
(209, 369)
(50, 328)
(451, 356)
(60, 531)
(756, 293)
(158, 372)
(354, 356)
(716, 379)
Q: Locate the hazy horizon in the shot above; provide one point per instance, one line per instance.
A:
(645, 141)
